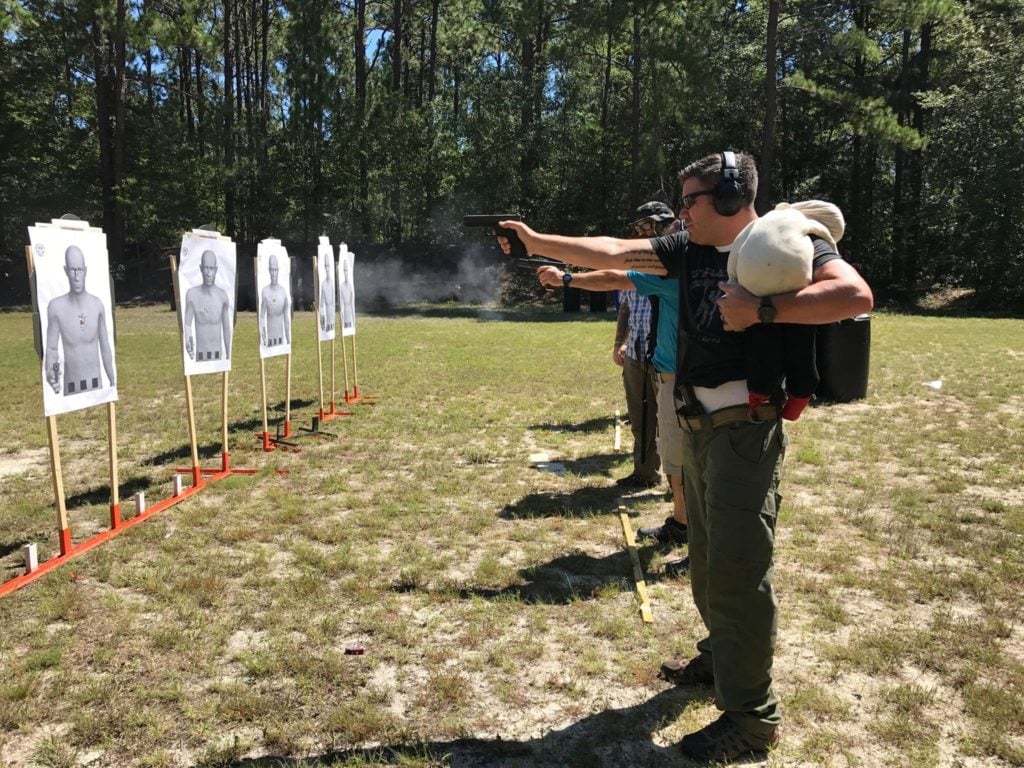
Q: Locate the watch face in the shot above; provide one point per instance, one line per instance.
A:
(766, 313)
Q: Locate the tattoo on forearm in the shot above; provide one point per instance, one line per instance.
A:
(644, 261)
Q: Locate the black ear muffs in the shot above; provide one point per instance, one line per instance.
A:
(729, 190)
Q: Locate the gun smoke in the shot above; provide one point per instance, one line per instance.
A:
(474, 279)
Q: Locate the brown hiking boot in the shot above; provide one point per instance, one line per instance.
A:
(694, 672)
(723, 740)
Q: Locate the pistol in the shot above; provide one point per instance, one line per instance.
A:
(490, 221)
(533, 262)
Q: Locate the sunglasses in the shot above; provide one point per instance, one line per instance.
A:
(687, 201)
(643, 228)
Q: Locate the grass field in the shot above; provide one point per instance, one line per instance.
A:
(494, 600)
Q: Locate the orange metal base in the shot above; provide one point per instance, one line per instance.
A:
(69, 550)
(355, 397)
(333, 414)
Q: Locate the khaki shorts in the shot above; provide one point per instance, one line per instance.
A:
(670, 433)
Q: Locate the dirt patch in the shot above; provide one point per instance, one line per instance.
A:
(24, 462)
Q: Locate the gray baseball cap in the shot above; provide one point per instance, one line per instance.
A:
(655, 210)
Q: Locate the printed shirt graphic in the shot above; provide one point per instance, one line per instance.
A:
(274, 296)
(206, 301)
(346, 290)
(327, 296)
(76, 320)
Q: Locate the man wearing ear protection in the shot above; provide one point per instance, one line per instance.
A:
(732, 458)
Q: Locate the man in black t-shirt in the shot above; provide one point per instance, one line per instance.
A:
(732, 460)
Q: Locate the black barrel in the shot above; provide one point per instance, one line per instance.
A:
(843, 352)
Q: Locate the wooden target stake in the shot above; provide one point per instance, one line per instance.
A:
(225, 453)
(63, 528)
(288, 396)
(267, 446)
(344, 360)
(355, 370)
(638, 571)
(56, 471)
(115, 495)
(197, 473)
(316, 329)
(334, 387)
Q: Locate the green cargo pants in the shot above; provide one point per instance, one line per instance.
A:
(731, 478)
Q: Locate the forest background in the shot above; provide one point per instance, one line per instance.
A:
(381, 123)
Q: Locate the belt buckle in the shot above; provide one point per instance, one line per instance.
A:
(752, 418)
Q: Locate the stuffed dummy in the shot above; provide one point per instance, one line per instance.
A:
(773, 255)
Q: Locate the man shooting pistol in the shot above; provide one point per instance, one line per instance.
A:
(491, 221)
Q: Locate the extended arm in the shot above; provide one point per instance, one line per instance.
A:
(225, 320)
(595, 252)
(837, 292)
(51, 357)
(601, 280)
(261, 318)
(106, 353)
(190, 314)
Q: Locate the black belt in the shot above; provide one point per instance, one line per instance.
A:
(729, 415)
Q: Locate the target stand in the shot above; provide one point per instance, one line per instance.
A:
(353, 397)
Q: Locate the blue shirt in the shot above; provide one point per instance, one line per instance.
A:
(639, 323)
(667, 291)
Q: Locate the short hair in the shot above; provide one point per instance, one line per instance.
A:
(709, 169)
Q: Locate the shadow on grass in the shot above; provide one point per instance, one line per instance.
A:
(590, 425)
(101, 494)
(11, 548)
(619, 737)
(564, 580)
(583, 502)
(184, 452)
(275, 416)
(243, 430)
(596, 464)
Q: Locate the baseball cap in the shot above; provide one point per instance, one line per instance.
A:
(655, 210)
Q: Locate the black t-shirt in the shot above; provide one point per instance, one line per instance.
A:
(707, 354)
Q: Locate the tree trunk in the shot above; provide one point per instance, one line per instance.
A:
(771, 101)
(435, 9)
(900, 213)
(635, 115)
(533, 92)
(108, 46)
(857, 229)
(396, 47)
(359, 53)
(606, 87)
(915, 181)
(229, 120)
(199, 100)
(397, 59)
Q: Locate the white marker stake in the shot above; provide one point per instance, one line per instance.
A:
(31, 557)
(140, 503)
(178, 487)
(618, 431)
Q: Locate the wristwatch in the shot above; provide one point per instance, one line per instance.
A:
(767, 311)
(566, 279)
